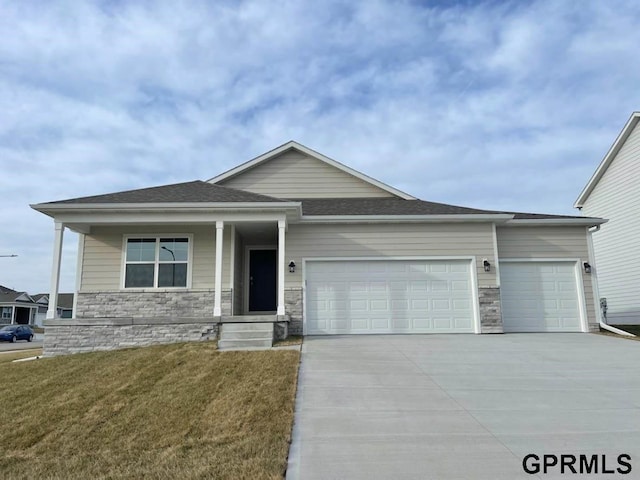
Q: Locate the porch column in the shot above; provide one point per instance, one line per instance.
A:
(281, 229)
(13, 314)
(55, 270)
(217, 302)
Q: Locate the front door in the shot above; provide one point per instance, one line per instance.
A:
(262, 280)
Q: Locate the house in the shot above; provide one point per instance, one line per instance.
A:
(16, 307)
(613, 192)
(64, 307)
(293, 242)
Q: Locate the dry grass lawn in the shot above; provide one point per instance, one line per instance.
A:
(11, 356)
(174, 411)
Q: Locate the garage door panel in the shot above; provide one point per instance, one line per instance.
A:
(388, 297)
(539, 297)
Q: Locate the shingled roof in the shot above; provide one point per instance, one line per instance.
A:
(399, 206)
(188, 192)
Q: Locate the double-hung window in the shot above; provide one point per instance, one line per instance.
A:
(157, 262)
(6, 313)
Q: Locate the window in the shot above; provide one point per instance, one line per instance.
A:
(6, 313)
(156, 262)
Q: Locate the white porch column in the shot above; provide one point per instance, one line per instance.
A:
(13, 314)
(79, 266)
(217, 302)
(281, 229)
(55, 270)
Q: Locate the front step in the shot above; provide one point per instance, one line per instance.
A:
(249, 336)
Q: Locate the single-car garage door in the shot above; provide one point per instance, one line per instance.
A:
(388, 296)
(539, 297)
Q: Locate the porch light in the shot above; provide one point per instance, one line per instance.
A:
(487, 265)
(587, 267)
(292, 266)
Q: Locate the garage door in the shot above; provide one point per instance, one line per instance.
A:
(539, 297)
(383, 296)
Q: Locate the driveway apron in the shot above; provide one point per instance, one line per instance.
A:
(463, 406)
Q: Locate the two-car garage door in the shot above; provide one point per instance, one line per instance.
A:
(389, 296)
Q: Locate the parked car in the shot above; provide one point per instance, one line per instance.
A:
(11, 333)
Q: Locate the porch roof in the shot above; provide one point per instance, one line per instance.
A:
(187, 192)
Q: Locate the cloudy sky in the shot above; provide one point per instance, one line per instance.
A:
(494, 105)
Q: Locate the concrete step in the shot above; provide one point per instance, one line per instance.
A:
(249, 334)
(245, 327)
(242, 344)
(248, 318)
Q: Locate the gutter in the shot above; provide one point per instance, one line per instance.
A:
(594, 285)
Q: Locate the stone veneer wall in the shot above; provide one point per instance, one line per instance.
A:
(65, 336)
(293, 308)
(490, 310)
(149, 304)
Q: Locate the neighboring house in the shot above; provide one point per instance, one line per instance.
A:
(64, 308)
(296, 239)
(16, 307)
(613, 192)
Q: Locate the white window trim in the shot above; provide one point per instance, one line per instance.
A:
(157, 236)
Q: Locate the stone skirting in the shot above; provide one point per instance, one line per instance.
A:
(490, 310)
(149, 304)
(65, 336)
(293, 308)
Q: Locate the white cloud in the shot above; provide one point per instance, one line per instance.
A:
(494, 105)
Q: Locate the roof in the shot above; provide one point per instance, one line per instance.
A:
(382, 206)
(398, 206)
(188, 192)
(608, 158)
(293, 145)
(11, 296)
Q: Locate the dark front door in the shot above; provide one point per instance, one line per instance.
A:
(262, 280)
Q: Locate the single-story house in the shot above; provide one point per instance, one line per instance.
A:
(16, 307)
(306, 245)
(613, 192)
(64, 308)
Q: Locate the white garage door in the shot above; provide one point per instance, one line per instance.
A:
(388, 296)
(539, 297)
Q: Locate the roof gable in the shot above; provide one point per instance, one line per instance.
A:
(295, 171)
(608, 159)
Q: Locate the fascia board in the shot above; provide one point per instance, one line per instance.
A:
(532, 222)
(608, 158)
(318, 156)
(500, 218)
(44, 207)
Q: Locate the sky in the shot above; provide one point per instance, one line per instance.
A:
(493, 105)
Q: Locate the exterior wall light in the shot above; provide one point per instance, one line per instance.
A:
(487, 265)
(292, 266)
(587, 267)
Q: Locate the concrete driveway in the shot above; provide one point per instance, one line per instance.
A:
(464, 406)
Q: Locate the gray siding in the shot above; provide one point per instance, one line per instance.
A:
(102, 266)
(549, 242)
(296, 175)
(392, 240)
(616, 197)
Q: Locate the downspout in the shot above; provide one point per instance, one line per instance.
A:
(594, 286)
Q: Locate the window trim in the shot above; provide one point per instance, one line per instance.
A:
(156, 262)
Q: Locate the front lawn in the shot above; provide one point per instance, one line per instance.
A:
(171, 411)
(17, 354)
